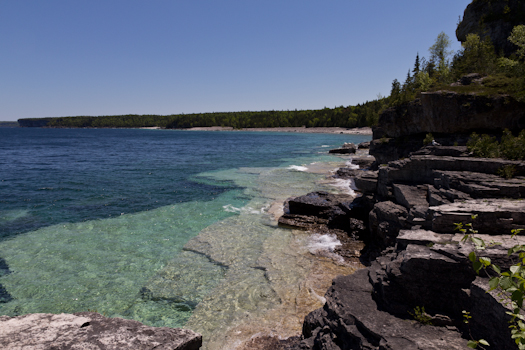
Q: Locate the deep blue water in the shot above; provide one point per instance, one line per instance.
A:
(89, 216)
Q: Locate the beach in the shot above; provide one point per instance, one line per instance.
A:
(304, 130)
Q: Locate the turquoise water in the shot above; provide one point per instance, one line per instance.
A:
(170, 228)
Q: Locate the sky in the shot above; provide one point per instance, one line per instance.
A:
(109, 57)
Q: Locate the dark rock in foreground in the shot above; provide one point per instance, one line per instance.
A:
(351, 319)
(89, 330)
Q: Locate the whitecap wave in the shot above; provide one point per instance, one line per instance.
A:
(297, 168)
(320, 243)
(347, 186)
(325, 146)
(350, 165)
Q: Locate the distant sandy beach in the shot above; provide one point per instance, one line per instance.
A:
(320, 130)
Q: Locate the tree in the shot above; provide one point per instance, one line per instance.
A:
(439, 54)
(476, 56)
(517, 37)
(417, 65)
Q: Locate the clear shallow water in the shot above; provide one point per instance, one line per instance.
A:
(170, 228)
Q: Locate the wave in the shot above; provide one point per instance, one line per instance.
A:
(347, 186)
(350, 165)
(320, 243)
(297, 168)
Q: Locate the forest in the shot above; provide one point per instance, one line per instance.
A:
(365, 114)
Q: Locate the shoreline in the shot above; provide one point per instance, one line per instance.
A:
(304, 130)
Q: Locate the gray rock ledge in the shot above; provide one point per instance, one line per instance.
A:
(90, 330)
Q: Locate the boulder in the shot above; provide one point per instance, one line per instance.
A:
(366, 181)
(318, 208)
(363, 145)
(347, 148)
(89, 330)
(363, 162)
(347, 173)
(386, 220)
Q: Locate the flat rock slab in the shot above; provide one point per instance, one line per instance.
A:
(89, 330)
(495, 216)
(410, 196)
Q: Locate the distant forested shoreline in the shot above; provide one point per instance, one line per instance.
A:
(365, 114)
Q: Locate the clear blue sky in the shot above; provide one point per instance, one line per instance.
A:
(107, 57)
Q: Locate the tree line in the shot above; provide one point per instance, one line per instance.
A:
(365, 114)
(501, 74)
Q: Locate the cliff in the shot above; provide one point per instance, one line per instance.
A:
(452, 113)
(494, 19)
(419, 278)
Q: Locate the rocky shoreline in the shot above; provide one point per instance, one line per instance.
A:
(419, 278)
(303, 130)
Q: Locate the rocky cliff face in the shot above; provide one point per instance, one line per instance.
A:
(451, 113)
(412, 206)
(492, 18)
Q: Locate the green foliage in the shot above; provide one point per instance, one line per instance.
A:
(507, 172)
(365, 114)
(422, 81)
(428, 139)
(421, 316)
(511, 147)
(510, 283)
(425, 73)
(476, 56)
(498, 81)
(483, 146)
(503, 75)
(439, 54)
(517, 37)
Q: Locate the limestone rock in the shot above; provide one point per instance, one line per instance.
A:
(347, 148)
(489, 318)
(89, 330)
(351, 320)
(450, 112)
(492, 19)
(363, 145)
(411, 196)
(386, 220)
(479, 185)
(494, 216)
(347, 173)
(366, 181)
